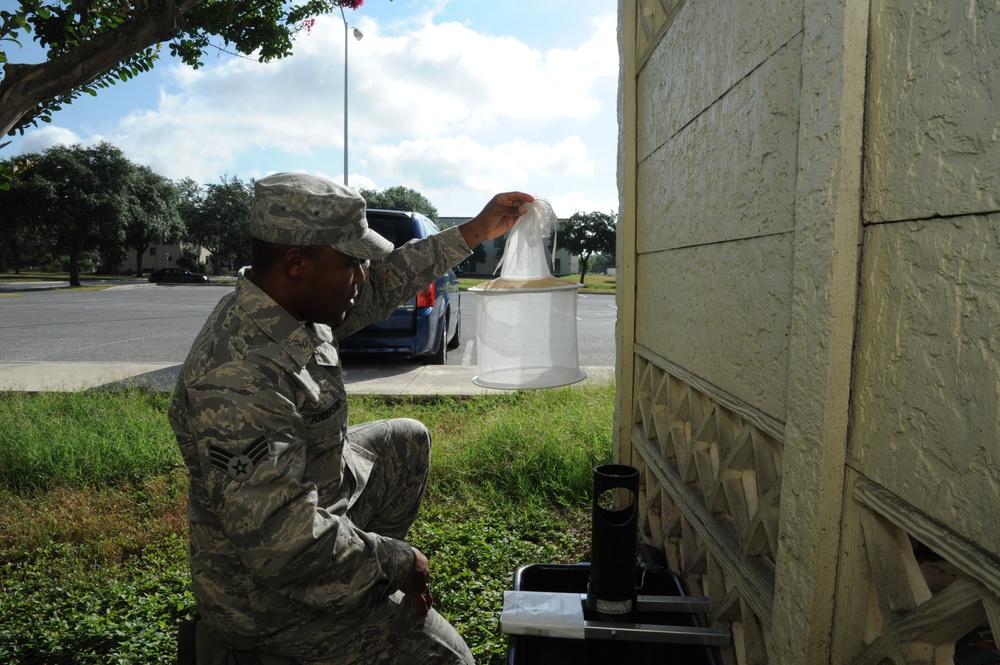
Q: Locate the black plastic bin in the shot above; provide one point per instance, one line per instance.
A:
(573, 578)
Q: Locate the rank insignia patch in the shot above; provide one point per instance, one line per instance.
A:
(240, 466)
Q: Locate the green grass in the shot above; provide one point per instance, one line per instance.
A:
(33, 276)
(74, 439)
(93, 551)
(39, 276)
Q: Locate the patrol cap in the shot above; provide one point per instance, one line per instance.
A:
(303, 209)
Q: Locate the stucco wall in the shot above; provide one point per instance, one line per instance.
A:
(933, 117)
(717, 128)
(927, 403)
(809, 297)
(927, 375)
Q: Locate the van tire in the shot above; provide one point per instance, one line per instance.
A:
(456, 339)
(440, 356)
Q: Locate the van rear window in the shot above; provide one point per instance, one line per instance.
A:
(397, 231)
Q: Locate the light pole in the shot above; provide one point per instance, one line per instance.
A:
(358, 36)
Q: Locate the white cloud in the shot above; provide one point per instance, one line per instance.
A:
(455, 113)
(463, 162)
(447, 78)
(46, 137)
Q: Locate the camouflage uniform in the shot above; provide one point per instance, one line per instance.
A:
(296, 519)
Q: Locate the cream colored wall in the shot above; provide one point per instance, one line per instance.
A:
(927, 401)
(809, 240)
(715, 195)
(926, 407)
(711, 207)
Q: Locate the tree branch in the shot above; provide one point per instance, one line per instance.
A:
(25, 86)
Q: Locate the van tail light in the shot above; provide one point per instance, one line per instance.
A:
(426, 297)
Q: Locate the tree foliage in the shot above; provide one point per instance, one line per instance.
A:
(218, 219)
(400, 198)
(92, 44)
(78, 194)
(588, 233)
(23, 231)
(75, 200)
(152, 216)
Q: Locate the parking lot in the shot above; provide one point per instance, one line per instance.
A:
(145, 323)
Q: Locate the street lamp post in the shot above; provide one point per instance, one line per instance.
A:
(357, 35)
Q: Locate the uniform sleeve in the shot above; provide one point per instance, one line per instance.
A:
(252, 458)
(393, 280)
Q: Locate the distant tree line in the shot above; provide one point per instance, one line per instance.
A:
(84, 209)
(76, 208)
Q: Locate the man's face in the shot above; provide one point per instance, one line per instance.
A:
(331, 284)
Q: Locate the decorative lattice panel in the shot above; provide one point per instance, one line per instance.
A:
(709, 496)
(905, 615)
(654, 17)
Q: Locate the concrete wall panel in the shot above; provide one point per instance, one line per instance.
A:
(708, 49)
(721, 312)
(933, 118)
(926, 411)
(731, 172)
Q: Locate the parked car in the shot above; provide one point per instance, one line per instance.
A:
(176, 276)
(426, 326)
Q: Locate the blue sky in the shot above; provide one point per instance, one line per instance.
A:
(458, 99)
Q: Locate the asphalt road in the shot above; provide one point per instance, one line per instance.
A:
(157, 323)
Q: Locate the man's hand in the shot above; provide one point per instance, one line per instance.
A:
(496, 218)
(415, 585)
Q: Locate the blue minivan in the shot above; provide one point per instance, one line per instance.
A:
(426, 326)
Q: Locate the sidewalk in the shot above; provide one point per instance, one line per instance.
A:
(380, 380)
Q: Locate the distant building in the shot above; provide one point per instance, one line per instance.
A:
(165, 255)
(562, 264)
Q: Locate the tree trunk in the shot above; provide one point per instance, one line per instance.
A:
(74, 264)
(23, 87)
(138, 261)
(584, 260)
(11, 257)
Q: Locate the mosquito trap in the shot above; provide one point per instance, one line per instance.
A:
(526, 318)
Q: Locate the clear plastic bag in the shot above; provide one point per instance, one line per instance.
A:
(524, 252)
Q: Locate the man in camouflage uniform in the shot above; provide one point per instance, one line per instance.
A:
(297, 521)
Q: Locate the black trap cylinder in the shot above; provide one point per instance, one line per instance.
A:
(611, 594)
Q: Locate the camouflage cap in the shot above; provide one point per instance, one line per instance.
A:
(302, 209)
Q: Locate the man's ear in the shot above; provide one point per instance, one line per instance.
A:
(294, 262)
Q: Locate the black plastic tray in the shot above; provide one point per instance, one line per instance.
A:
(573, 578)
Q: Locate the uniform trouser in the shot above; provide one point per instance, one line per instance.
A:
(395, 632)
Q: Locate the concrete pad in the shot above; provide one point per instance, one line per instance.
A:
(386, 380)
(376, 380)
(69, 377)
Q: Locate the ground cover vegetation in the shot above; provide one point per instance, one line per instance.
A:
(93, 545)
